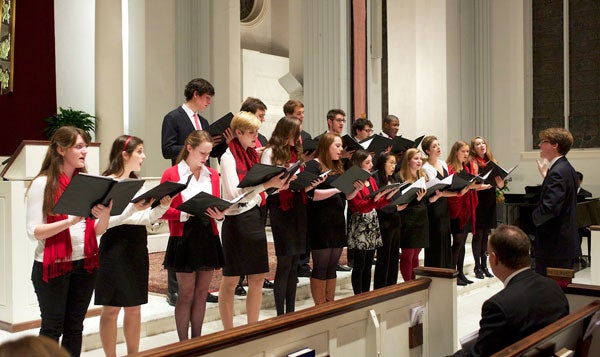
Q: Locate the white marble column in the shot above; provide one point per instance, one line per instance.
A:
(109, 75)
(326, 58)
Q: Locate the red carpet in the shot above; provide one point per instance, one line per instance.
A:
(157, 281)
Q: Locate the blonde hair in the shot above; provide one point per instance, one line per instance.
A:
(244, 121)
(405, 173)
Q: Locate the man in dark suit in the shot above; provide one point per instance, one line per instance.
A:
(176, 126)
(556, 241)
(527, 303)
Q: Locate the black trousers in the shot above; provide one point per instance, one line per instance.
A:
(64, 301)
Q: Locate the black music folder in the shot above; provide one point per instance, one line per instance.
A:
(435, 184)
(86, 190)
(218, 127)
(376, 144)
(309, 146)
(261, 173)
(345, 182)
(350, 144)
(402, 144)
(198, 204)
(166, 188)
(409, 193)
(492, 169)
(390, 187)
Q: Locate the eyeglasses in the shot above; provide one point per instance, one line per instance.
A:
(368, 130)
(340, 120)
(543, 142)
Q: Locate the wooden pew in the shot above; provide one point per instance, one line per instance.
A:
(342, 327)
(566, 332)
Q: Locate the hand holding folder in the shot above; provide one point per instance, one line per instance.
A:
(85, 191)
(408, 194)
(345, 182)
(493, 170)
(199, 204)
(166, 188)
(219, 126)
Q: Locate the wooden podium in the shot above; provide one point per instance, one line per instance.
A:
(18, 303)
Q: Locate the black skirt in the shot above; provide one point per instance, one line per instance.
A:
(288, 227)
(244, 244)
(123, 267)
(198, 249)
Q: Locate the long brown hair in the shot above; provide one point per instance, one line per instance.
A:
(279, 142)
(322, 154)
(405, 173)
(452, 159)
(194, 139)
(64, 137)
(488, 153)
(124, 143)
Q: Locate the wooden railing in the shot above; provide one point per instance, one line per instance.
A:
(219, 341)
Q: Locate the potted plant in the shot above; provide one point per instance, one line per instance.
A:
(70, 116)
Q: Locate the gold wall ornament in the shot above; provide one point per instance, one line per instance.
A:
(7, 45)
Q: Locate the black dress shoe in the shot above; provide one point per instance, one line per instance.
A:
(341, 267)
(464, 278)
(304, 271)
(172, 298)
(240, 291)
(460, 282)
(268, 284)
(487, 273)
(479, 273)
(212, 298)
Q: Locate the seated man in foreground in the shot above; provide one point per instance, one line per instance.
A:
(527, 303)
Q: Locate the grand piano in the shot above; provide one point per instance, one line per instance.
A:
(517, 209)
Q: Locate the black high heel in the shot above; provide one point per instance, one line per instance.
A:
(479, 273)
(487, 272)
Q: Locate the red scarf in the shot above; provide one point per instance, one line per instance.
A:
(244, 160)
(58, 249)
(481, 163)
(286, 197)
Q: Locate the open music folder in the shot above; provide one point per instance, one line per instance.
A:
(198, 204)
(219, 126)
(409, 193)
(492, 169)
(345, 182)
(86, 190)
(166, 188)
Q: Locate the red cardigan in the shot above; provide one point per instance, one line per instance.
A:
(173, 215)
(463, 207)
(360, 203)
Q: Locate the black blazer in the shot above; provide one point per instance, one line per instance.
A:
(555, 217)
(176, 126)
(528, 303)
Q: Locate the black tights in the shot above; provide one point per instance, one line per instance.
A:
(285, 283)
(479, 245)
(361, 271)
(458, 250)
(325, 262)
